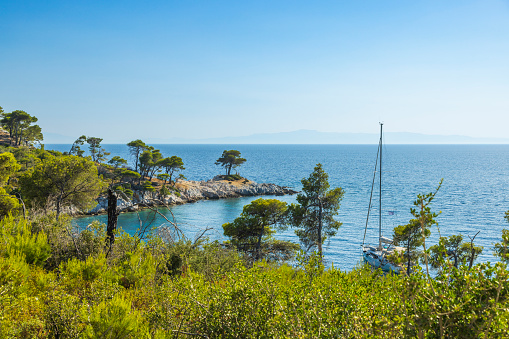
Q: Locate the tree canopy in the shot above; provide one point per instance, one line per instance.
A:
(317, 206)
(136, 147)
(252, 231)
(454, 250)
(8, 166)
(76, 149)
(414, 234)
(502, 247)
(150, 162)
(171, 165)
(62, 181)
(97, 152)
(19, 124)
(229, 160)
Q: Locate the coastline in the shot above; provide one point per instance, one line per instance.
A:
(192, 191)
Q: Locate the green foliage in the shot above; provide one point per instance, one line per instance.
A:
(65, 315)
(60, 282)
(502, 248)
(115, 318)
(171, 166)
(32, 135)
(8, 202)
(231, 177)
(127, 175)
(252, 233)
(76, 149)
(164, 191)
(147, 186)
(8, 166)
(161, 288)
(414, 234)
(136, 147)
(14, 270)
(136, 268)
(98, 153)
(149, 162)
(117, 161)
(62, 181)
(19, 125)
(230, 160)
(453, 251)
(17, 238)
(317, 206)
(163, 176)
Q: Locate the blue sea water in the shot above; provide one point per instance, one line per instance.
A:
(474, 195)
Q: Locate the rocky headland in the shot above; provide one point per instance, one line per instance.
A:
(192, 191)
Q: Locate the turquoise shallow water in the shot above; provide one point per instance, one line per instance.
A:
(473, 197)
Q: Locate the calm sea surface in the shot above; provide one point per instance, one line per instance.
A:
(473, 198)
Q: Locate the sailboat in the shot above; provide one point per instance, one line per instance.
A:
(376, 257)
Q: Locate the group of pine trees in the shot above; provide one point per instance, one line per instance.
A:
(21, 128)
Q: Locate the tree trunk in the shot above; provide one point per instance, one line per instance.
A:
(408, 255)
(58, 208)
(112, 217)
(320, 212)
(258, 245)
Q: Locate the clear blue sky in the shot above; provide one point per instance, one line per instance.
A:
(123, 70)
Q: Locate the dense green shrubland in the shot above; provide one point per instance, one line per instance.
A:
(56, 283)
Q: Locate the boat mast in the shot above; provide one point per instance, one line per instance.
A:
(380, 196)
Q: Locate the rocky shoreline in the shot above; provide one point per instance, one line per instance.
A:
(192, 191)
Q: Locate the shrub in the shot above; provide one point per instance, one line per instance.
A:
(115, 318)
(18, 238)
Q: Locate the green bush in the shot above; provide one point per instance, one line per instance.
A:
(115, 318)
(17, 237)
(65, 315)
(231, 177)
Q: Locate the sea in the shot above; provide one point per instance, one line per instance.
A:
(472, 200)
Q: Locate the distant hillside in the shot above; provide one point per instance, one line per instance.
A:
(316, 137)
(303, 137)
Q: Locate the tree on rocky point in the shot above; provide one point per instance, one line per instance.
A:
(117, 162)
(96, 151)
(17, 123)
(136, 147)
(230, 159)
(172, 165)
(75, 148)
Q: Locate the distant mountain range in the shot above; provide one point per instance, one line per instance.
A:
(316, 137)
(310, 137)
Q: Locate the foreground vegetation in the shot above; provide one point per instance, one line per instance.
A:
(59, 284)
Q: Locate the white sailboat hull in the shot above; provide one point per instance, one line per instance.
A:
(376, 259)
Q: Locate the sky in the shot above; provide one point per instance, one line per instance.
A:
(123, 70)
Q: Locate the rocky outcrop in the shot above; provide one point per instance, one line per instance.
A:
(191, 191)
